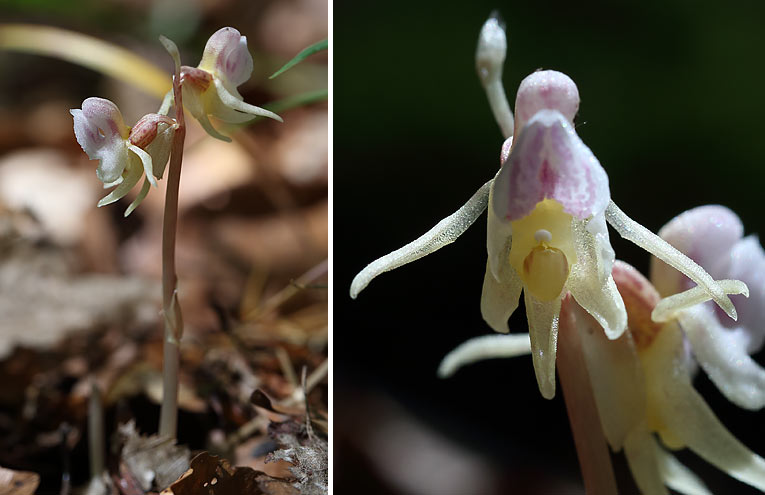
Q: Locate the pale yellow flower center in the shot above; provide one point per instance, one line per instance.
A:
(543, 249)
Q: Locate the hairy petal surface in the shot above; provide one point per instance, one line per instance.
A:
(543, 330)
(634, 232)
(722, 353)
(549, 160)
(590, 280)
(484, 347)
(747, 263)
(706, 235)
(445, 232)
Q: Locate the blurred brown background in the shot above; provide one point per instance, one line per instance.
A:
(79, 285)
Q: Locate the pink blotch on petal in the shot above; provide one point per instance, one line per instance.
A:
(227, 56)
(549, 160)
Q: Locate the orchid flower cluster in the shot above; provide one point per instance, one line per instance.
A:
(126, 154)
(548, 207)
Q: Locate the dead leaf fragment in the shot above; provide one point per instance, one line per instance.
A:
(210, 475)
(154, 461)
(18, 482)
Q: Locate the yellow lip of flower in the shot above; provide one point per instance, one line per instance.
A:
(543, 249)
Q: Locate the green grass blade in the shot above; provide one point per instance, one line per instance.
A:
(316, 47)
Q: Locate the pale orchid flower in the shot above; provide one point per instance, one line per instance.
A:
(548, 206)
(124, 154)
(713, 237)
(642, 381)
(210, 88)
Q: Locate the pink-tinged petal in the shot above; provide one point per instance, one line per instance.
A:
(226, 56)
(106, 116)
(640, 298)
(545, 90)
(87, 134)
(706, 235)
(549, 160)
(101, 131)
(747, 263)
(722, 353)
(506, 146)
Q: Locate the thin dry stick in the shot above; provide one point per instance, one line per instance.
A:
(591, 447)
(168, 419)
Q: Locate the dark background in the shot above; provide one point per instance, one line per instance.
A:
(672, 106)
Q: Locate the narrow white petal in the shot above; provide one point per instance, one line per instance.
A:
(668, 307)
(132, 175)
(139, 199)
(616, 378)
(633, 231)
(687, 418)
(591, 283)
(237, 104)
(445, 232)
(722, 353)
(676, 475)
(499, 298)
(640, 450)
(485, 347)
(543, 330)
(499, 237)
(148, 167)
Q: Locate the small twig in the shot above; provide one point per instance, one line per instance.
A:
(591, 447)
(288, 291)
(286, 365)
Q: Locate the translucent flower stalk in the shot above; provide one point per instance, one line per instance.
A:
(547, 212)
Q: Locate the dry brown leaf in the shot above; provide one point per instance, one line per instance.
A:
(154, 461)
(18, 482)
(210, 475)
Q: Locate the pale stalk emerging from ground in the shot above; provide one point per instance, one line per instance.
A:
(168, 419)
(591, 447)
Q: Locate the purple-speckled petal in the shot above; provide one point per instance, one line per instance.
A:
(549, 160)
(706, 235)
(226, 56)
(101, 131)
